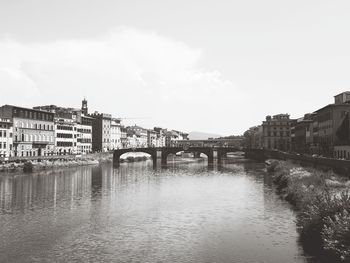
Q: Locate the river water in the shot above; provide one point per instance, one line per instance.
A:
(183, 213)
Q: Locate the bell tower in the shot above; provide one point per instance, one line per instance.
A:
(84, 107)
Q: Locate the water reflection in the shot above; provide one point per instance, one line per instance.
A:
(39, 190)
(186, 213)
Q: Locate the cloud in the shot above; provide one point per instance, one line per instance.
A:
(126, 72)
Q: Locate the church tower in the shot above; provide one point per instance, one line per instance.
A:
(84, 107)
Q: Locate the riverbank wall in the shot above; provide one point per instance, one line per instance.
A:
(338, 166)
(322, 200)
(29, 164)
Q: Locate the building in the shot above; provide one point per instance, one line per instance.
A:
(84, 107)
(213, 142)
(6, 137)
(137, 137)
(161, 136)
(342, 98)
(172, 137)
(329, 122)
(152, 138)
(84, 133)
(124, 137)
(116, 134)
(277, 132)
(33, 130)
(66, 135)
(65, 120)
(101, 131)
(302, 134)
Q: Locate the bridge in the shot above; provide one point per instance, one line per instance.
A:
(163, 152)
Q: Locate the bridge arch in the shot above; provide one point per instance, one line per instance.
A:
(223, 151)
(173, 150)
(120, 152)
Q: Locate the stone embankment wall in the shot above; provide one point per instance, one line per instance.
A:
(338, 166)
(20, 159)
(34, 163)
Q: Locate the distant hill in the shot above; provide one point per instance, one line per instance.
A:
(202, 135)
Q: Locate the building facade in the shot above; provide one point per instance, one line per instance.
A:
(84, 134)
(277, 132)
(6, 137)
(101, 131)
(161, 136)
(329, 120)
(124, 137)
(65, 120)
(66, 136)
(302, 134)
(116, 134)
(152, 138)
(137, 137)
(33, 130)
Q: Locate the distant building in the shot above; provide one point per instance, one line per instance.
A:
(173, 136)
(303, 134)
(277, 132)
(33, 130)
(124, 137)
(84, 133)
(116, 134)
(152, 138)
(137, 137)
(84, 107)
(101, 131)
(161, 136)
(212, 142)
(6, 137)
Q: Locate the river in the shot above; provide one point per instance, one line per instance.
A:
(183, 213)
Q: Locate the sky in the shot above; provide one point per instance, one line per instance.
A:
(213, 66)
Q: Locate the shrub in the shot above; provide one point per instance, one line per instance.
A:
(272, 166)
(28, 167)
(336, 232)
(315, 216)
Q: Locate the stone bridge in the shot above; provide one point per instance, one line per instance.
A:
(163, 153)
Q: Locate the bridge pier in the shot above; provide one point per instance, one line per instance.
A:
(116, 159)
